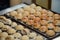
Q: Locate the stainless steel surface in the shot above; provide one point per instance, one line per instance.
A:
(12, 8)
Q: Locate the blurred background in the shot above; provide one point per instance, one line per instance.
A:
(53, 5)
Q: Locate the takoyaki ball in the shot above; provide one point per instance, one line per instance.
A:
(20, 10)
(56, 16)
(44, 11)
(50, 14)
(25, 31)
(37, 19)
(50, 19)
(50, 26)
(5, 28)
(8, 21)
(38, 8)
(2, 17)
(39, 37)
(44, 16)
(27, 8)
(26, 13)
(33, 6)
(4, 34)
(25, 19)
(38, 14)
(32, 35)
(36, 25)
(43, 28)
(13, 13)
(50, 33)
(1, 24)
(32, 11)
(57, 29)
(25, 37)
(13, 24)
(10, 37)
(30, 22)
(18, 16)
(11, 31)
(17, 35)
(57, 22)
(43, 22)
(19, 27)
(31, 17)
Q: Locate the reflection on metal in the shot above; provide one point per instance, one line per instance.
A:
(12, 8)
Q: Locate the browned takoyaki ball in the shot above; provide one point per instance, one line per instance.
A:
(25, 13)
(38, 8)
(37, 19)
(4, 34)
(38, 14)
(36, 25)
(19, 27)
(56, 16)
(25, 19)
(50, 26)
(30, 22)
(5, 28)
(33, 6)
(25, 37)
(57, 22)
(44, 11)
(11, 31)
(32, 11)
(50, 33)
(50, 14)
(44, 16)
(43, 28)
(57, 29)
(20, 10)
(43, 22)
(50, 19)
(31, 17)
(13, 13)
(18, 16)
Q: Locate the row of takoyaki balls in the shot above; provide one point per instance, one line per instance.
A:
(34, 11)
(41, 19)
(12, 31)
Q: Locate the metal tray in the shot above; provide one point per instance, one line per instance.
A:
(31, 27)
(20, 22)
